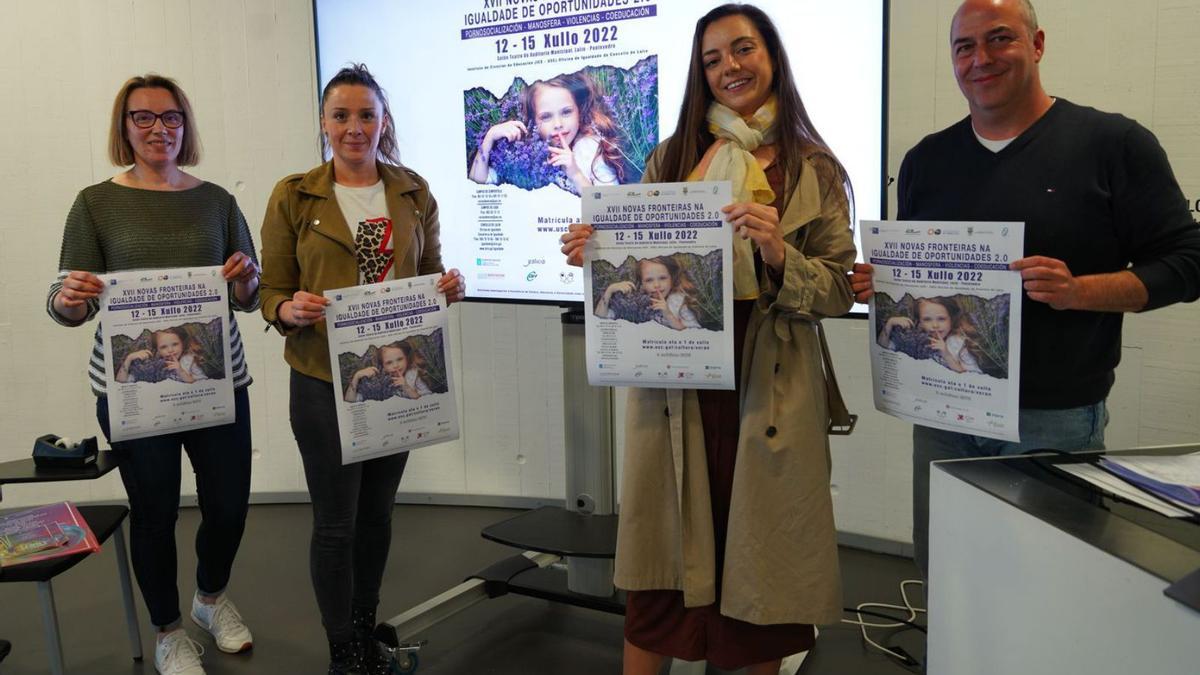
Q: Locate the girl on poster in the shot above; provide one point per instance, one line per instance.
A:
(154, 215)
(177, 351)
(568, 113)
(741, 120)
(400, 367)
(670, 293)
(946, 331)
(330, 228)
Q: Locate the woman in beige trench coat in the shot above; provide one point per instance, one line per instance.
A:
(754, 600)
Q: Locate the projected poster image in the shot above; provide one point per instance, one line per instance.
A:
(963, 333)
(594, 126)
(535, 101)
(186, 353)
(408, 369)
(681, 291)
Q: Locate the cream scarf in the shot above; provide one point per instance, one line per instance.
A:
(734, 162)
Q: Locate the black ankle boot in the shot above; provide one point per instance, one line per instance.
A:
(345, 658)
(374, 660)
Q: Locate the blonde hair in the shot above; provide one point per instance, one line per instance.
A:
(120, 152)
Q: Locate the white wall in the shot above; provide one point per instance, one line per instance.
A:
(248, 66)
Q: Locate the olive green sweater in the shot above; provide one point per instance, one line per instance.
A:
(113, 228)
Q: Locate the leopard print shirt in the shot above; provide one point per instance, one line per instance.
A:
(365, 211)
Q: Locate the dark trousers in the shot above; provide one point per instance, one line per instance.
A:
(150, 470)
(352, 509)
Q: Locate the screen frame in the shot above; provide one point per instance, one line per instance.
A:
(885, 180)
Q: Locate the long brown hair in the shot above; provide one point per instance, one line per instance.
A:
(798, 138)
(594, 118)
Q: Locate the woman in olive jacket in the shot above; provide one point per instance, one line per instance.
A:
(352, 220)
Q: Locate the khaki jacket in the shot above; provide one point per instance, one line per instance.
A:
(307, 247)
(781, 561)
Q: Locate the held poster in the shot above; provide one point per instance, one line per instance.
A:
(389, 354)
(946, 324)
(166, 349)
(659, 308)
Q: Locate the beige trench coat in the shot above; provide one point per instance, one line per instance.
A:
(781, 561)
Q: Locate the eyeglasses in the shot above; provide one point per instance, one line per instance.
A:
(144, 119)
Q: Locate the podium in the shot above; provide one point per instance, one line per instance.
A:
(1031, 572)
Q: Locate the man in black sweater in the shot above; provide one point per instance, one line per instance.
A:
(1107, 231)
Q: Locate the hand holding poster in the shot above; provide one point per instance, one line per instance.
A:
(166, 344)
(659, 304)
(947, 323)
(388, 348)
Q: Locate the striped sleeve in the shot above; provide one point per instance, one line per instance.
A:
(93, 305)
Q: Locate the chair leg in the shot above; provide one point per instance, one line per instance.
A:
(131, 618)
(50, 623)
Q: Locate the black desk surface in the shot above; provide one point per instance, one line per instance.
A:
(554, 530)
(25, 471)
(1168, 548)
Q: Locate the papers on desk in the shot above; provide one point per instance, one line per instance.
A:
(1117, 486)
(1173, 476)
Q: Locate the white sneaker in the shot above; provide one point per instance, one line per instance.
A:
(178, 654)
(222, 621)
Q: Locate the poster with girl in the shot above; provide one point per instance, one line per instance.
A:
(166, 346)
(658, 298)
(388, 351)
(535, 142)
(945, 323)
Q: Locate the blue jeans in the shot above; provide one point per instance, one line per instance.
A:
(150, 470)
(1069, 430)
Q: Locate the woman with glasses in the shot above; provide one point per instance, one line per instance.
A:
(154, 215)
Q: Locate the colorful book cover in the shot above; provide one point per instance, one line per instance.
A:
(44, 532)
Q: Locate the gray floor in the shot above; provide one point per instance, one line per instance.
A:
(434, 547)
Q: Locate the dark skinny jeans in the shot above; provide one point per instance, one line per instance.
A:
(150, 470)
(352, 509)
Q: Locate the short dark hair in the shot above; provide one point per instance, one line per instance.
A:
(357, 73)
